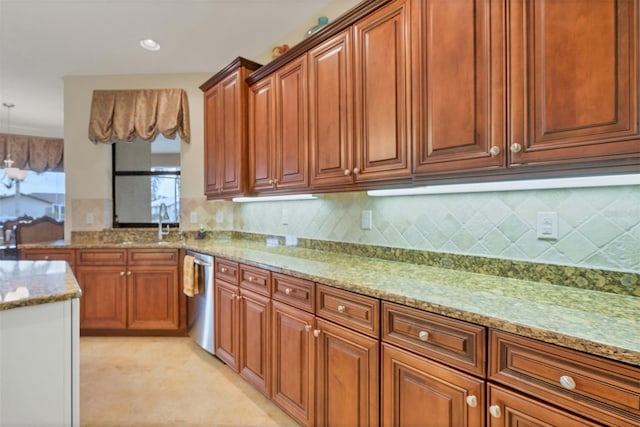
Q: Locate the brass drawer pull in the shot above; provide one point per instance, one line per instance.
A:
(567, 382)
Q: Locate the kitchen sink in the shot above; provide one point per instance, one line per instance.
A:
(144, 242)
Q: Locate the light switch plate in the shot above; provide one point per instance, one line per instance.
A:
(285, 217)
(193, 217)
(366, 220)
(89, 219)
(547, 227)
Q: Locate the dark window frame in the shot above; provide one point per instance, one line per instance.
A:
(114, 174)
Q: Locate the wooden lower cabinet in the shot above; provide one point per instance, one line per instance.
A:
(511, 409)
(104, 297)
(347, 377)
(153, 298)
(226, 332)
(419, 392)
(294, 362)
(255, 340)
(128, 291)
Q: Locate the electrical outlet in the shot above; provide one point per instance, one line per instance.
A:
(219, 217)
(193, 217)
(366, 220)
(89, 219)
(285, 217)
(547, 227)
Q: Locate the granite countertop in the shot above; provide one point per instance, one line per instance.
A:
(599, 323)
(25, 283)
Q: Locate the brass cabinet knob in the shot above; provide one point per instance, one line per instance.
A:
(472, 401)
(495, 411)
(567, 382)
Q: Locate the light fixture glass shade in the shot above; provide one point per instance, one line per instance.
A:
(15, 173)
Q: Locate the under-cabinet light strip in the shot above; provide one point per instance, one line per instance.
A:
(274, 198)
(532, 184)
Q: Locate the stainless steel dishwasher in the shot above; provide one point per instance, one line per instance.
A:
(200, 307)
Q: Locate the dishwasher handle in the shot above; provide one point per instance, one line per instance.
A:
(202, 263)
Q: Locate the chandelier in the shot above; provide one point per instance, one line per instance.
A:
(11, 172)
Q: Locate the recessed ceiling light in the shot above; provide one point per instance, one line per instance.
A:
(150, 44)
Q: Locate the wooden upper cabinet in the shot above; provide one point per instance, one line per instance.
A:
(291, 148)
(278, 142)
(212, 141)
(262, 121)
(331, 111)
(382, 93)
(458, 85)
(225, 112)
(573, 76)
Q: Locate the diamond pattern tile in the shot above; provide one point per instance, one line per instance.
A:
(597, 227)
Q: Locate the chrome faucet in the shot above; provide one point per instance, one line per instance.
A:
(163, 215)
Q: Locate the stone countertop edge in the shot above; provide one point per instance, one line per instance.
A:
(598, 323)
(46, 281)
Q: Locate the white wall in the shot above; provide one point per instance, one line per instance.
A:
(332, 11)
(88, 166)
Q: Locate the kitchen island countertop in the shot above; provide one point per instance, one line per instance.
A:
(26, 283)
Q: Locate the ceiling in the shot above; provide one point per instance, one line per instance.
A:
(42, 41)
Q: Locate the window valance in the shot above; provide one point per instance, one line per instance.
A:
(124, 115)
(35, 153)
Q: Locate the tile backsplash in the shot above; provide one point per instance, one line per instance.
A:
(597, 227)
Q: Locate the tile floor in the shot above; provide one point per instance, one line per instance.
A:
(155, 381)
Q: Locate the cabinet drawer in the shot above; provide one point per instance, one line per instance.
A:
(226, 270)
(348, 309)
(153, 257)
(293, 291)
(453, 342)
(49, 255)
(101, 257)
(255, 279)
(516, 409)
(601, 389)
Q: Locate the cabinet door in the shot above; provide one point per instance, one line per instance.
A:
(213, 139)
(255, 340)
(573, 80)
(226, 330)
(417, 391)
(291, 125)
(458, 85)
(153, 297)
(331, 111)
(232, 148)
(382, 93)
(347, 365)
(293, 362)
(104, 297)
(262, 135)
(512, 409)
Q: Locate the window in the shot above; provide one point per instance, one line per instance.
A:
(39, 194)
(145, 177)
